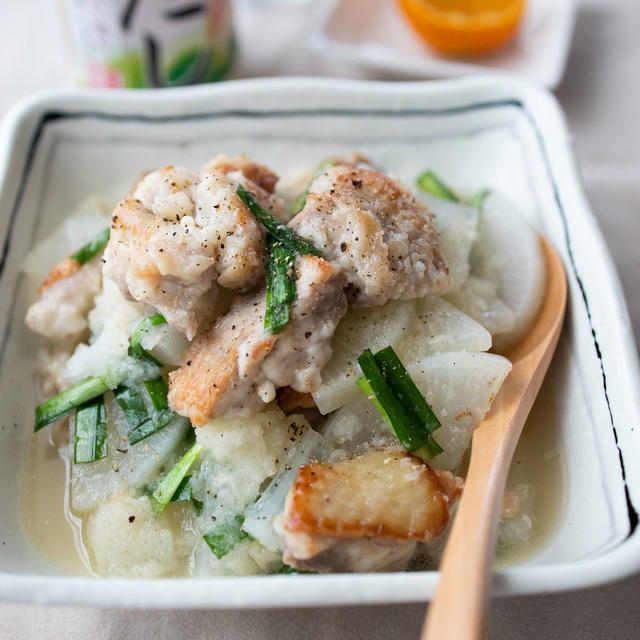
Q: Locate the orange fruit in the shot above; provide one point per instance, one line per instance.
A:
(464, 26)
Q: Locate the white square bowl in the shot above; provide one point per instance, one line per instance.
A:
(505, 134)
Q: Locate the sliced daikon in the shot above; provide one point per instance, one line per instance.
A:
(127, 467)
(458, 224)
(478, 297)
(507, 278)
(440, 326)
(259, 517)
(165, 344)
(360, 329)
(508, 253)
(459, 387)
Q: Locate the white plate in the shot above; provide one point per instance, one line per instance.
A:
(375, 33)
(492, 132)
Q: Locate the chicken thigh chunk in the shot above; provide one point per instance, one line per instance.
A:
(235, 367)
(365, 514)
(377, 232)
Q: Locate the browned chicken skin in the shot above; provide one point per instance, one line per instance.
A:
(364, 514)
(235, 367)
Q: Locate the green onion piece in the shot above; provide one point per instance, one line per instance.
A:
(132, 404)
(184, 493)
(363, 383)
(93, 247)
(90, 432)
(159, 421)
(158, 393)
(429, 182)
(478, 198)
(405, 390)
(413, 433)
(288, 237)
(162, 416)
(286, 569)
(281, 286)
(225, 536)
(70, 399)
(301, 200)
(168, 486)
(145, 324)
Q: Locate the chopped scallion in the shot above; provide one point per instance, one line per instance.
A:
(162, 415)
(144, 325)
(158, 393)
(405, 389)
(168, 486)
(93, 247)
(222, 538)
(301, 200)
(90, 442)
(70, 399)
(132, 404)
(159, 421)
(478, 198)
(184, 493)
(429, 182)
(281, 286)
(288, 237)
(391, 389)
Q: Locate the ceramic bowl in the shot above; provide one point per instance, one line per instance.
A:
(482, 132)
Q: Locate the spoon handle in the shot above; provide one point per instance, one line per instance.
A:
(457, 611)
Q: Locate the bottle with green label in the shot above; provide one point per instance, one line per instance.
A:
(149, 43)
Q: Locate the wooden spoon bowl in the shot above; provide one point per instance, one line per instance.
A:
(457, 611)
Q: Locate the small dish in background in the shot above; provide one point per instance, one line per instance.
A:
(375, 33)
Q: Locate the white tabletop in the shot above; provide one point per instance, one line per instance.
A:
(601, 96)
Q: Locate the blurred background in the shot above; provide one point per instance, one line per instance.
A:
(587, 52)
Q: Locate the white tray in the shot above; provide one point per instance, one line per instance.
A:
(376, 34)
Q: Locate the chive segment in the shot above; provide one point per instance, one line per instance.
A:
(301, 200)
(405, 388)
(54, 408)
(93, 247)
(132, 404)
(281, 286)
(222, 538)
(168, 486)
(90, 440)
(478, 198)
(158, 391)
(429, 182)
(148, 428)
(400, 402)
(144, 325)
(288, 237)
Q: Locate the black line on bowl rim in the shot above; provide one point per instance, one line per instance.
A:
(54, 115)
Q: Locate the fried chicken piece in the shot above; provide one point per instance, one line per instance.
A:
(365, 514)
(377, 232)
(182, 234)
(235, 367)
(66, 297)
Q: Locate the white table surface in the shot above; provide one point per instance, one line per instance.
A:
(601, 95)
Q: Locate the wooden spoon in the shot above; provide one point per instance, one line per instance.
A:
(457, 611)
